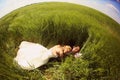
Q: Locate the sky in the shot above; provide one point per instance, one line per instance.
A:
(108, 7)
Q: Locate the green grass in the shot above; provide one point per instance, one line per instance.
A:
(62, 23)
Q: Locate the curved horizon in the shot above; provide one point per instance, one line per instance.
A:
(108, 7)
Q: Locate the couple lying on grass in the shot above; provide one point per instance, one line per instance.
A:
(32, 55)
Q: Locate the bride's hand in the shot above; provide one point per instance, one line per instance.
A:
(60, 51)
(57, 50)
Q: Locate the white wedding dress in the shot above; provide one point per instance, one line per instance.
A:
(32, 55)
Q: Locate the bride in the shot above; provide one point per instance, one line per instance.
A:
(33, 55)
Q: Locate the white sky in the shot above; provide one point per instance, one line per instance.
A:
(6, 6)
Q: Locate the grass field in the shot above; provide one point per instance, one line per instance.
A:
(61, 23)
